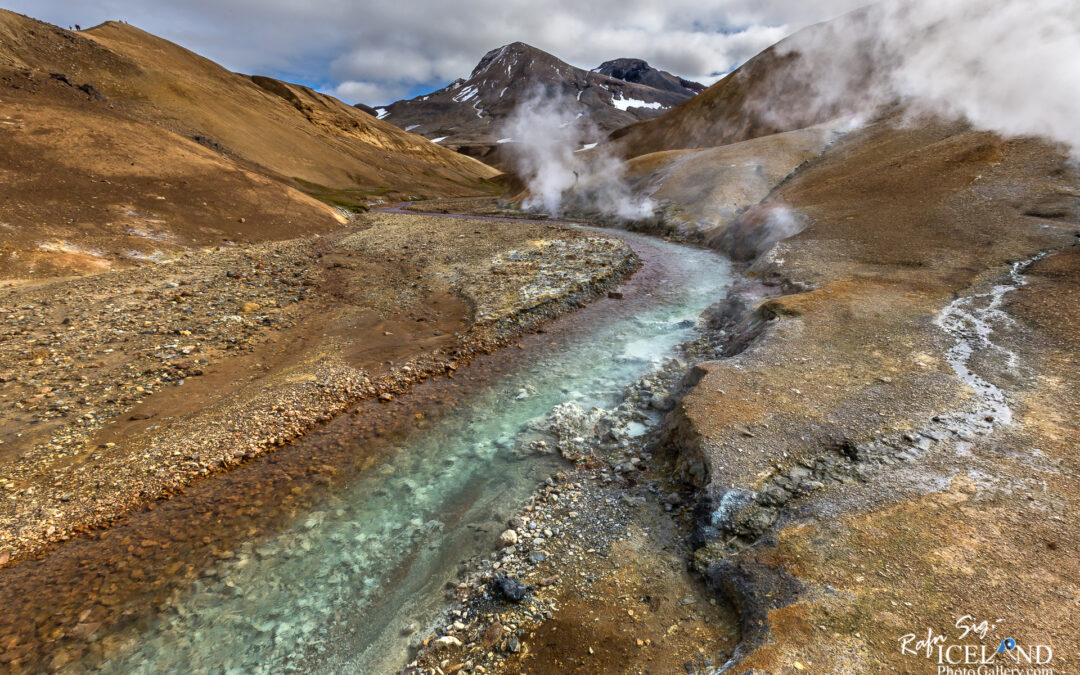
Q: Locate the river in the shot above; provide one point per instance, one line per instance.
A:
(366, 541)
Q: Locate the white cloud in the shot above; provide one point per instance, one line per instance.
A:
(1009, 66)
(355, 91)
(390, 46)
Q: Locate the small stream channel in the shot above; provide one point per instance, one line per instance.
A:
(328, 587)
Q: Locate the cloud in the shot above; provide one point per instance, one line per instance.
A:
(353, 90)
(1009, 66)
(377, 49)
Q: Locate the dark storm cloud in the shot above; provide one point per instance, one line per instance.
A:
(379, 51)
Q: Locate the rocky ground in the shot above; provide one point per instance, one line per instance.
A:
(123, 387)
(880, 443)
(592, 575)
(889, 445)
(876, 440)
(493, 207)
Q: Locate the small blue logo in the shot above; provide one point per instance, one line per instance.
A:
(1007, 643)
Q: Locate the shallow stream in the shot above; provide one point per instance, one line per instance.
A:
(328, 587)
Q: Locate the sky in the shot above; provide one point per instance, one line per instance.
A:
(379, 51)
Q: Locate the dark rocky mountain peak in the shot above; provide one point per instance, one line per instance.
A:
(469, 115)
(640, 72)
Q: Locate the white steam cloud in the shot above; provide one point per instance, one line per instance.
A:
(1010, 66)
(550, 147)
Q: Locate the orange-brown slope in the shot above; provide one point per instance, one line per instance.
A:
(126, 147)
(88, 188)
(867, 481)
(287, 130)
(773, 92)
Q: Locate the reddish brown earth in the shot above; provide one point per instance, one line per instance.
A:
(899, 221)
(843, 357)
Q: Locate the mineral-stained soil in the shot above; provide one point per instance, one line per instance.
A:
(859, 477)
(123, 387)
(841, 454)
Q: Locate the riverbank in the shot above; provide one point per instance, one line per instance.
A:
(883, 433)
(889, 438)
(335, 541)
(592, 575)
(122, 388)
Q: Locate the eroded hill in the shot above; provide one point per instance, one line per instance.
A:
(773, 92)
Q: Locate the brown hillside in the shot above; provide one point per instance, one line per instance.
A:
(125, 147)
(88, 188)
(296, 134)
(771, 93)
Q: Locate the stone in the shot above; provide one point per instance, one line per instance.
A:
(662, 403)
(509, 589)
(447, 641)
(774, 495)
(83, 631)
(492, 634)
(508, 538)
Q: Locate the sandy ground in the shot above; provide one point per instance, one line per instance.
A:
(123, 387)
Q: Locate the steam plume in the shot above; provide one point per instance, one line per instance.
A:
(550, 132)
(1010, 66)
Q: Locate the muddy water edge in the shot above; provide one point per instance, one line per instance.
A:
(122, 599)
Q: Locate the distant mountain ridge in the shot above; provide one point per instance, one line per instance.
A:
(639, 71)
(467, 114)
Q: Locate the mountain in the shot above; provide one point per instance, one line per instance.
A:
(125, 144)
(640, 72)
(467, 115)
(771, 93)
